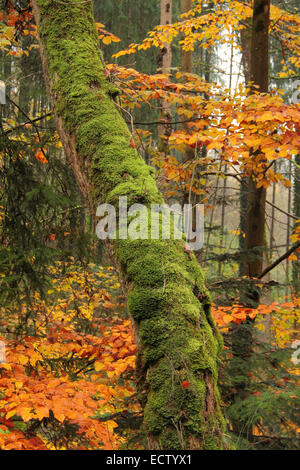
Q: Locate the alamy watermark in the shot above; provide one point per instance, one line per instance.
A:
(159, 222)
(2, 92)
(296, 354)
(2, 353)
(296, 92)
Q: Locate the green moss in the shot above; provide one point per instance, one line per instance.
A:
(158, 373)
(147, 271)
(144, 303)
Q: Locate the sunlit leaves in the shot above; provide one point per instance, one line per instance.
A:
(284, 315)
(105, 36)
(222, 24)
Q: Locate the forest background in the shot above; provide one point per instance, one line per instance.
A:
(67, 371)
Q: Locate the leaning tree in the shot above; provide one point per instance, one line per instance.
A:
(177, 340)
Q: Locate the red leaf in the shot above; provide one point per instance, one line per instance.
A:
(185, 384)
(132, 144)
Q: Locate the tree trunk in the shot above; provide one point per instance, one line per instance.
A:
(259, 71)
(186, 57)
(164, 66)
(186, 66)
(272, 238)
(177, 341)
(256, 197)
(245, 40)
(296, 210)
(288, 227)
(165, 58)
(242, 335)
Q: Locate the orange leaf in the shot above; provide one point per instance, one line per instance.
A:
(108, 304)
(185, 384)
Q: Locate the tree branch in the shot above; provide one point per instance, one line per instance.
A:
(278, 261)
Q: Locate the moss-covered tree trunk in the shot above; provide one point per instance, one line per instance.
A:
(176, 336)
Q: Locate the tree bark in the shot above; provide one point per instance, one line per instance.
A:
(177, 340)
(259, 71)
(242, 336)
(186, 66)
(186, 57)
(245, 40)
(164, 66)
(256, 197)
(296, 210)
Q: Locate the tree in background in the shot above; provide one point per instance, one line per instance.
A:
(243, 334)
(256, 197)
(165, 67)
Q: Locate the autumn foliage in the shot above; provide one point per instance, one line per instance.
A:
(76, 367)
(67, 374)
(64, 386)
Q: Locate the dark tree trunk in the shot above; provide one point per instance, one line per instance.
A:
(296, 210)
(256, 197)
(186, 57)
(164, 66)
(243, 335)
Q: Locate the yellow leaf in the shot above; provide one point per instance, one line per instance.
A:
(252, 141)
(227, 318)
(60, 416)
(267, 116)
(42, 412)
(99, 366)
(10, 414)
(108, 304)
(287, 183)
(23, 359)
(106, 40)
(26, 414)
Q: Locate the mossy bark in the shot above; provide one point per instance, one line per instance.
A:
(169, 305)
